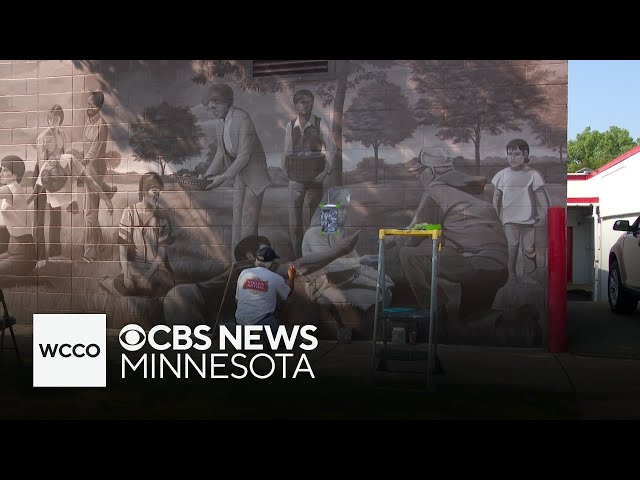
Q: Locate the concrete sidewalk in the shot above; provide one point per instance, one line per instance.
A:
(598, 387)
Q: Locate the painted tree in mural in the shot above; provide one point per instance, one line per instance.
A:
(550, 120)
(169, 134)
(592, 149)
(113, 160)
(551, 129)
(348, 73)
(379, 115)
(466, 102)
(201, 168)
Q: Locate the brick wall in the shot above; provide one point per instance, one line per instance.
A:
(202, 220)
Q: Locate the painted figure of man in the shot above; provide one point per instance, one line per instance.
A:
(94, 135)
(239, 157)
(305, 137)
(50, 143)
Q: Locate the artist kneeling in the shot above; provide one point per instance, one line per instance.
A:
(257, 291)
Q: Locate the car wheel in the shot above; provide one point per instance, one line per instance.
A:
(619, 300)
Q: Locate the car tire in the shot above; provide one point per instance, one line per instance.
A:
(619, 300)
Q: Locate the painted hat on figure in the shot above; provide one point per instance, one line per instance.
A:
(437, 160)
(414, 165)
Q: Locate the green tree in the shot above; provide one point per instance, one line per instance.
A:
(169, 134)
(592, 149)
(379, 115)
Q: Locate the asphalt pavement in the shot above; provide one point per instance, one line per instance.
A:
(597, 378)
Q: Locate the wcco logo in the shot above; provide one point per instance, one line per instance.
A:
(69, 350)
(79, 350)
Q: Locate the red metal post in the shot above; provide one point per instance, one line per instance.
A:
(569, 254)
(557, 286)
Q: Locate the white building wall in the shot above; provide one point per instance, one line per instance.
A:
(579, 188)
(616, 188)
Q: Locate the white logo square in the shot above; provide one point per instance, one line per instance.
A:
(69, 350)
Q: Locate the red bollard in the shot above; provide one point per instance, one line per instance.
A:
(557, 286)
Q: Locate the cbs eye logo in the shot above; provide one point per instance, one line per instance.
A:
(132, 337)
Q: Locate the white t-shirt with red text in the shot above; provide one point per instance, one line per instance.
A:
(256, 294)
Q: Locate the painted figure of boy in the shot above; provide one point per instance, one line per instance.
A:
(521, 202)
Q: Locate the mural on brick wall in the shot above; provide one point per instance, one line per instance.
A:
(144, 188)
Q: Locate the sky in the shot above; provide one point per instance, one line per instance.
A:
(604, 93)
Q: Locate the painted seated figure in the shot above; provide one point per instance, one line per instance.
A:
(145, 233)
(345, 286)
(20, 258)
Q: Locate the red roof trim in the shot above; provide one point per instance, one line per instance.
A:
(583, 199)
(614, 162)
(578, 177)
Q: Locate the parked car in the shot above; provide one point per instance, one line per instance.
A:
(624, 268)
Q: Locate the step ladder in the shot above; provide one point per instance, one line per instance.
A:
(410, 317)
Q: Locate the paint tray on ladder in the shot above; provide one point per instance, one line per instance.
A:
(414, 321)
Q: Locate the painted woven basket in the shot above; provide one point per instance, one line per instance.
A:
(304, 168)
(192, 183)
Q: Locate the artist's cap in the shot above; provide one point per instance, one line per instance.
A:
(266, 254)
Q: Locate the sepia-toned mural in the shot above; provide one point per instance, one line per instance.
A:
(144, 188)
